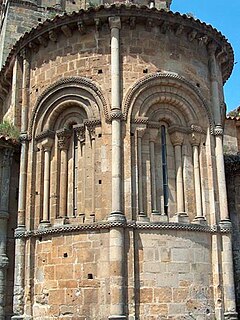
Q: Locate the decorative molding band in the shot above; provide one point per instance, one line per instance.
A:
(163, 78)
(83, 83)
(121, 224)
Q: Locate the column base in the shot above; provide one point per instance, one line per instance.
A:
(159, 217)
(117, 216)
(200, 220)
(116, 317)
(44, 224)
(61, 221)
(142, 218)
(180, 217)
(232, 315)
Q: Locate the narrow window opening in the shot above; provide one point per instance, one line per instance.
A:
(99, 135)
(100, 71)
(90, 276)
(132, 134)
(145, 70)
(164, 169)
(36, 90)
(99, 181)
(65, 255)
(39, 19)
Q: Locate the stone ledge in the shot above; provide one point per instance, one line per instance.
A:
(139, 225)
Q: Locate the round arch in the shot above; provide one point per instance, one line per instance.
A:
(75, 95)
(165, 89)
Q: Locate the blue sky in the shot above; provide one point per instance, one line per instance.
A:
(224, 16)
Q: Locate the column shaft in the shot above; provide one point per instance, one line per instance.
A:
(179, 178)
(46, 185)
(153, 177)
(140, 185)
(197, 182)
(63, 182)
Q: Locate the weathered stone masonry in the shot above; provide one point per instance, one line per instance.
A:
(122, 210)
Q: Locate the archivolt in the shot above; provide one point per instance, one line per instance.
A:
(73, 93)
(166, 89)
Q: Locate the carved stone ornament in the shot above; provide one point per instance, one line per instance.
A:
(4, 261)
(195, 138)
(114, 22)
(7, 157)
(63, 138)
(79, 129)
(176, 138)
(218, 130)
(116, 114)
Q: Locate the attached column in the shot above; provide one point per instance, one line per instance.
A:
(140, 133)
(47, 146)
(195, 142)
(63, 144)
(177, 141)
(4, 214)
(225, 224)
(153, 134)
(18, 299)
(116, 236)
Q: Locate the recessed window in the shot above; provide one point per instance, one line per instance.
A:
(90, 276)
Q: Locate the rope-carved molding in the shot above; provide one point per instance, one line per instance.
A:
(80, 82)
(166, 80)
(121, 224)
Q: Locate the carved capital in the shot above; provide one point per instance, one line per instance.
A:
(47, 144)
(114, 22)
(7, 157)
(63, 138)
(116, 114)
(195, 138)
(153, 135)
(177, 138)
(79, 129)
(141, 130)
(218, 130)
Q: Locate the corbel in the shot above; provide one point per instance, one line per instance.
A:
(33, 46)
(149, 24)
(81, 27)
(52, 36)
(132, 22)
(98, 24)
(192, 35)
(67, 31)
(179, 30)
(43, 41)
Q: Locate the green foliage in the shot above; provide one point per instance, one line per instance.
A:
(8, 129)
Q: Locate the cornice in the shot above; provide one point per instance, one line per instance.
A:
(107, 225)
(167, 21)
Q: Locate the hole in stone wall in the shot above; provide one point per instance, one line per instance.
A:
(99, 135)
(65, 255)
(207, 311)
(99, 181)
(36, 89)
(40, 239)
(198, 85)
(132, 134)
(100, 71)
(39, 19)
(145, 70)
(90, 276)
(204, 144)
